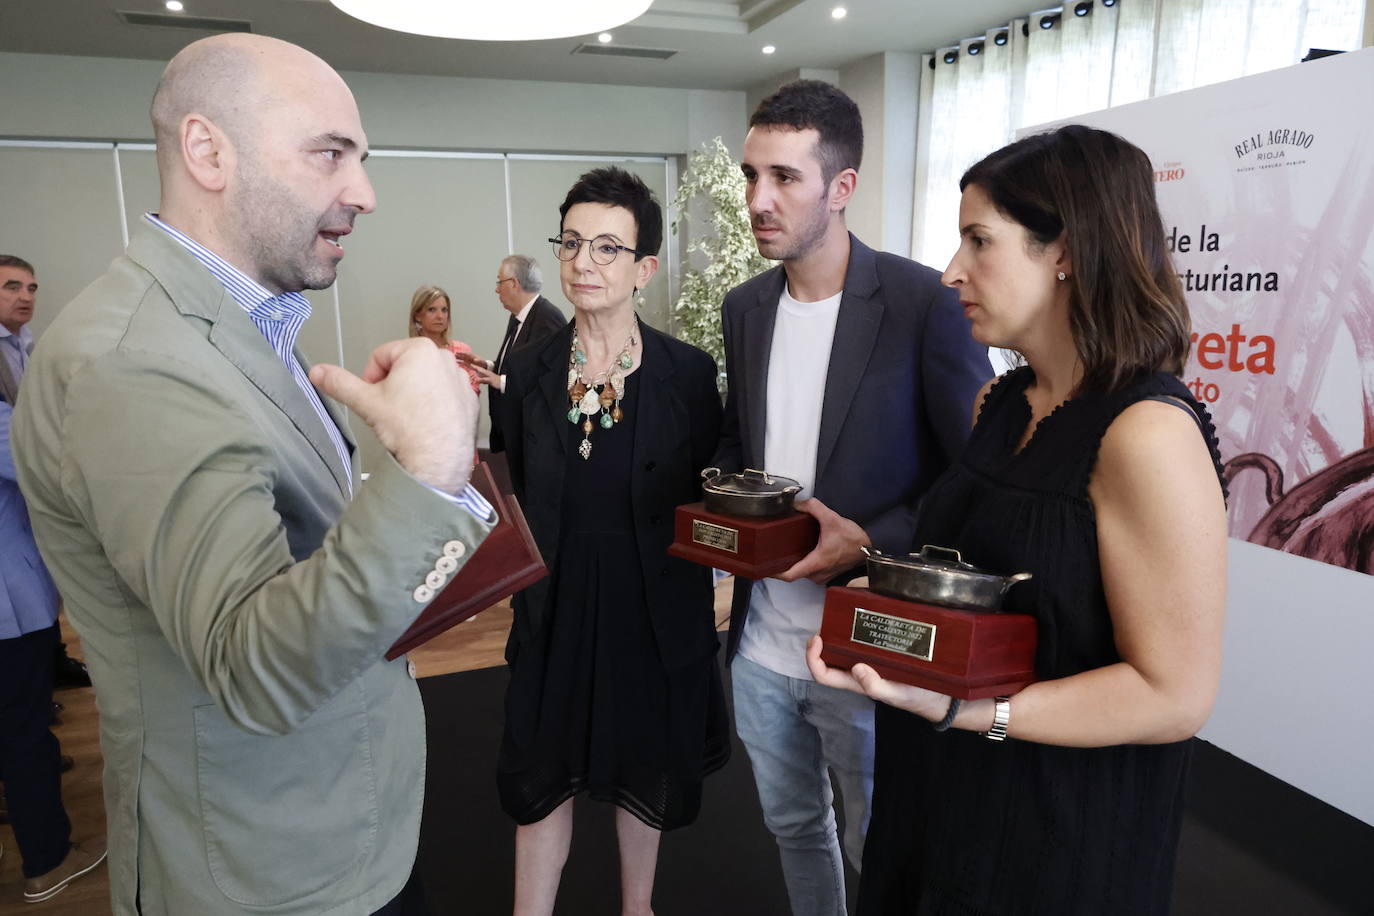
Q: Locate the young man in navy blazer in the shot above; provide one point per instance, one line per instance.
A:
(852, 371)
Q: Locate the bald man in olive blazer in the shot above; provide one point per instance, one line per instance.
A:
(234, 583)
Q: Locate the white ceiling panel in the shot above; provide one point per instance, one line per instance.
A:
(717, 42)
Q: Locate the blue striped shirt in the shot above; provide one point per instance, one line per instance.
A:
(280, 319)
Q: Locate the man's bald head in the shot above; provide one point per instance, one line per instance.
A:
(233, 81)
(260, 150)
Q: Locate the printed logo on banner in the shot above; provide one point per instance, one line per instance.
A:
(1277, 265)
(1272, 149)
(1169, 171)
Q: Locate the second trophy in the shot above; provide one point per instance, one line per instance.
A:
(931, 620)
(745, 525)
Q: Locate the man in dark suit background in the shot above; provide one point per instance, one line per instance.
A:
(532, 319)
(852, 371)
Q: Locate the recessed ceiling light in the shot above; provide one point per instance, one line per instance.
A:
(509, 20)
(605, 38)
(839, 12)
(768, 49)
(175, 6)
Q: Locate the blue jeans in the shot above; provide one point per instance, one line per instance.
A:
(793, 730)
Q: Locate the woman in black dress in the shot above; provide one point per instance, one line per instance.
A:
(614, 689)
(1092, 468)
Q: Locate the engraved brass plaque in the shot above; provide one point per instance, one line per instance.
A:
(715, 536)
(895, 634)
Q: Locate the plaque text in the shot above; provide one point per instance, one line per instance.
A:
(895, 634)
(716, 536)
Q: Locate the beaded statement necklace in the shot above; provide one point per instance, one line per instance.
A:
(601, 394)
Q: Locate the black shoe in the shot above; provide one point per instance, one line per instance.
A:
(69, 672)
(57, 713)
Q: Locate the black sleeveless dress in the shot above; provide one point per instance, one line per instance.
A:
(963, 825)
(589, 707)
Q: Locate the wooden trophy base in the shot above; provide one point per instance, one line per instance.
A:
(966, 654)
(503, 564)
(754, 548)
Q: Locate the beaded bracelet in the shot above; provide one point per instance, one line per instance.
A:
(948, 720)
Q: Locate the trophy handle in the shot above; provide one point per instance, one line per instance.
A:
(947, 553)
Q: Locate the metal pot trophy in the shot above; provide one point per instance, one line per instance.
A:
(934, 621)
(745, 525)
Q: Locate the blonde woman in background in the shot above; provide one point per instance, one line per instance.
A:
(429, 317)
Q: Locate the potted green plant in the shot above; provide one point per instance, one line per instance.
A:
(713, 183)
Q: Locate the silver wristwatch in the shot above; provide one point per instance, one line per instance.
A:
(1001, 715)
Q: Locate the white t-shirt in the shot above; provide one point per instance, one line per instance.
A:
(783, 616)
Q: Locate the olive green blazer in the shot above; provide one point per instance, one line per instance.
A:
(233, 603)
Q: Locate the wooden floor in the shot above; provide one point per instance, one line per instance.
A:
(478, 643)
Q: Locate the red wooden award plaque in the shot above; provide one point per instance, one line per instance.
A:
(966, 654)
(503, 564)
(754, 548)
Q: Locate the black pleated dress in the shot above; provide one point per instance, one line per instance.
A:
(963, 825)
(589, 707)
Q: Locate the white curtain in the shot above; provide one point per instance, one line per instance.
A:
(1055, 64)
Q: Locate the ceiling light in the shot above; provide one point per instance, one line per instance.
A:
(510, 20)
(605, 38)
(768, 49)
(175, 6)
(839, 12)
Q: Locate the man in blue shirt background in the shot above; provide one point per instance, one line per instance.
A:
(30, 762)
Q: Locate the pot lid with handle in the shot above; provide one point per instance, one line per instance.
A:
(748, 482)
(932, 557)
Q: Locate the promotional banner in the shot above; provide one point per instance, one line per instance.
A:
(1267, 192)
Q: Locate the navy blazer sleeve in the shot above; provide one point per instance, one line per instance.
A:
(955, 367)
(729, 452)
(952, 368)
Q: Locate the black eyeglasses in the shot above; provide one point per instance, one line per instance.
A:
(603, 249)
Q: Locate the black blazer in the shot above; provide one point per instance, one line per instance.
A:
(677, 425)
(899, 393)
(543, 320)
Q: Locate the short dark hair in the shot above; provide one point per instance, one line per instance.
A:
(618, 188)
(13, 260)
(1127, 312)
(819, 106)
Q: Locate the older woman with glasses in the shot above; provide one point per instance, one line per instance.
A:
(614, 688)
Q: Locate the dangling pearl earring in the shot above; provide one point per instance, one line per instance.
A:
(1063, 276)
